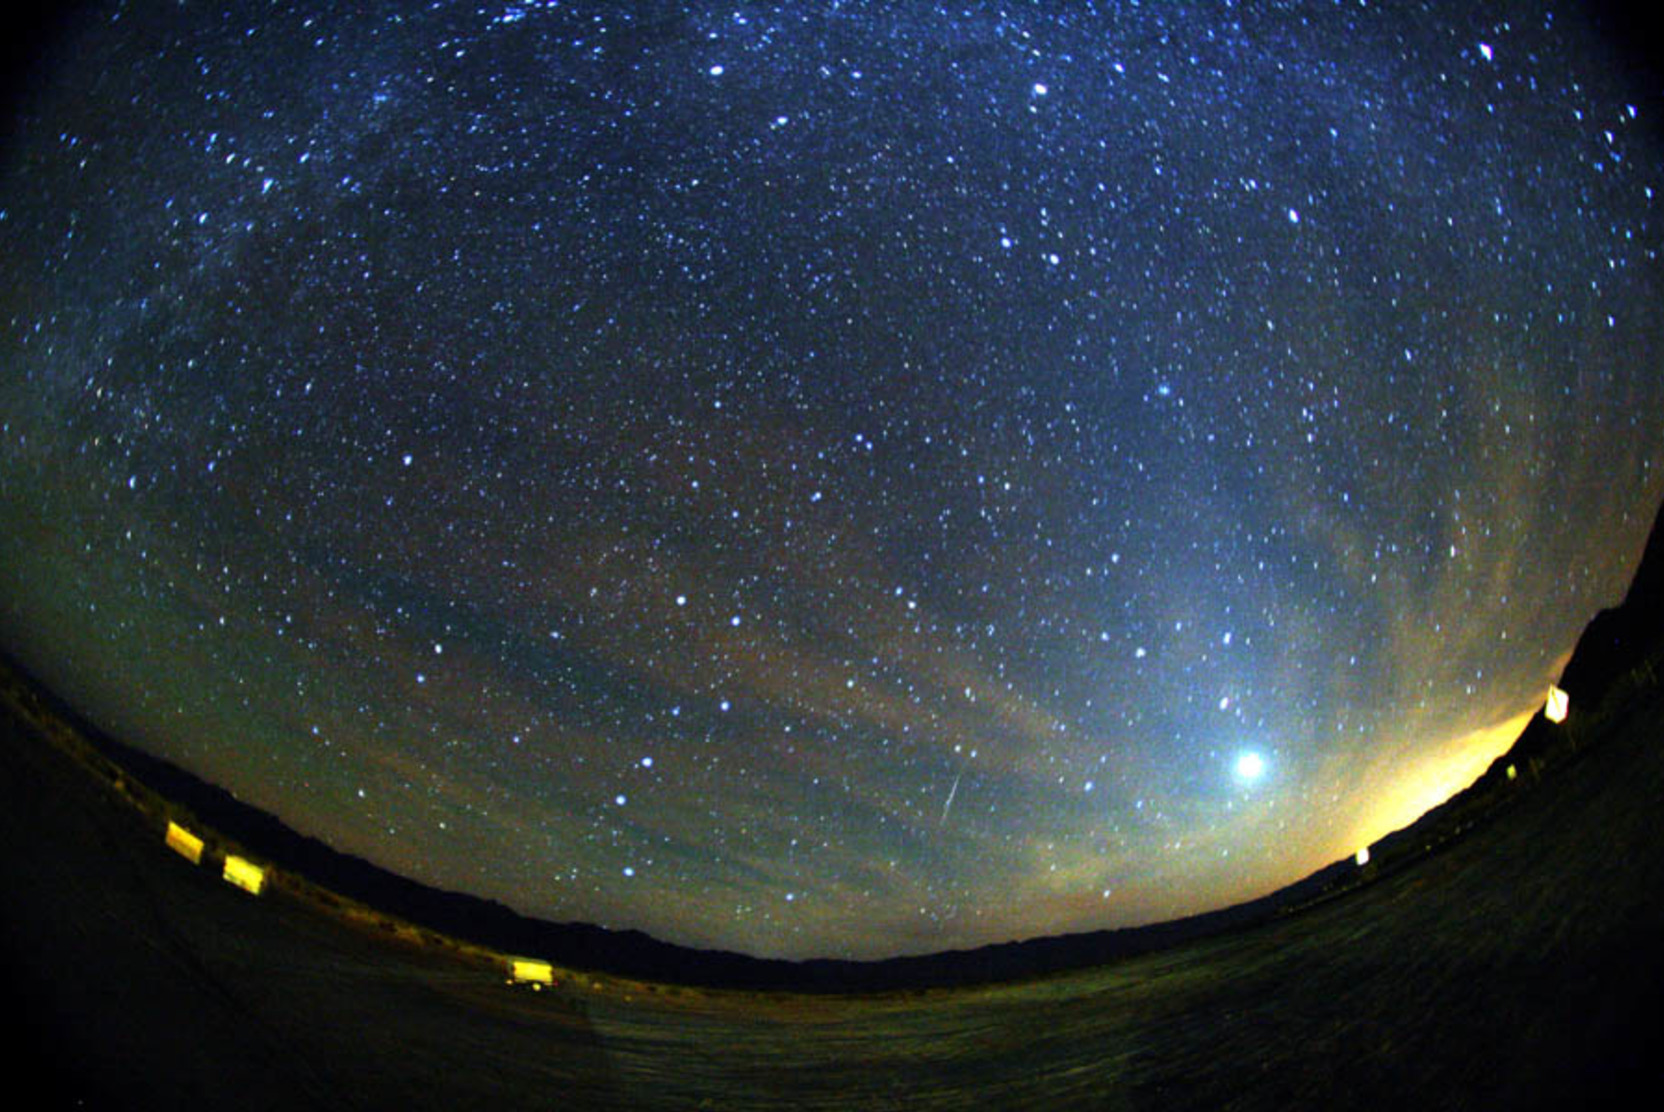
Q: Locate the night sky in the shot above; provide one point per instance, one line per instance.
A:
(821, 479)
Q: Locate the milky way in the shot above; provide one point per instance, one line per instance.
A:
(826, 480)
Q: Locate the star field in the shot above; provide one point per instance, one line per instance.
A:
(827, 480)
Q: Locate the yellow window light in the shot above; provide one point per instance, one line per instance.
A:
(1559, 703)
(245, 874)
(532, 972)
(184, 843)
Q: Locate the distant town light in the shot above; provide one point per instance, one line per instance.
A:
(184, 843)
(1558, 705)
(245, 874)
(532, 972)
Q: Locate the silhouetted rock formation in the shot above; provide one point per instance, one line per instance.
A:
(1620, 637)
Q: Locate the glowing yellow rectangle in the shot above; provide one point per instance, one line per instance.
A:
(244, 874)
(1558, 704)
(534, 972)
(184, 843)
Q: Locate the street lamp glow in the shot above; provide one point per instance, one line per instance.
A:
(1250, 766)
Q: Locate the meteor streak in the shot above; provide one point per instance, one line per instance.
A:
(949, 802)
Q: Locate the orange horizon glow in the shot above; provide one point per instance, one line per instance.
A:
(1443, 771)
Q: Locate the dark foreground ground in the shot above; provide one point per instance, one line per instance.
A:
(1518, 967)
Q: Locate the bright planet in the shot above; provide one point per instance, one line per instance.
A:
(1250, 767)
